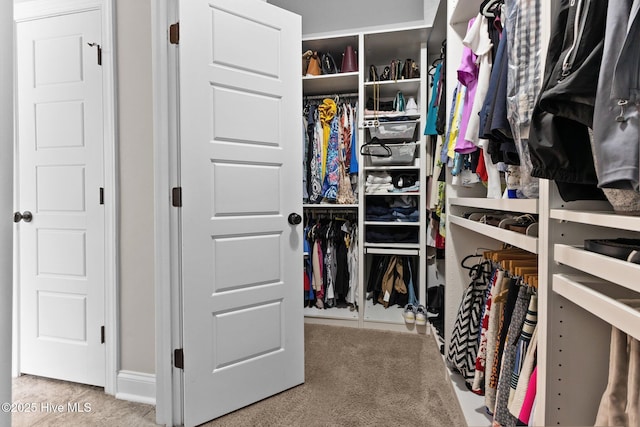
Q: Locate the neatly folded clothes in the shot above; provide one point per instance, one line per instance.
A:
(397, 234)
(379, 178)
(378, 188)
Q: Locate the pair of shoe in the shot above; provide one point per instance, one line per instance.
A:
(415, 314)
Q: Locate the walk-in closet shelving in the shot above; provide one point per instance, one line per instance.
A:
(379, 50)
(340, 87)
(466, 237)
(376, 48)
(581, 294)
(330, 84)
(587, 294)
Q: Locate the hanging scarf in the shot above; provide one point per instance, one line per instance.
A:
(332, 177)
(328, 110)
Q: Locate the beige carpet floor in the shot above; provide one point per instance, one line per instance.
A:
(353, 377)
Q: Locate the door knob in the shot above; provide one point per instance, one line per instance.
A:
(294, 219)
(26, 216)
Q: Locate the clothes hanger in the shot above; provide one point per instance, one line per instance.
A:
(512, 264)
(488, 7)
(521, 271)
(508, 253)
(531, 280)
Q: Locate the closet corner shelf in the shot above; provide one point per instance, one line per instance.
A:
(600, 218)
(601, 299)
(330, 84)
(620, 272)
(528, 243)
(513, 205)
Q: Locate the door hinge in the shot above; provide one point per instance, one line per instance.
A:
(99, 51)
(101, 334)
(174, 33)
(176, 197)
(178, 358)
(102, 195)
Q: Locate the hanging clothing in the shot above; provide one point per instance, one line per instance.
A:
(486, 335)
(559, 141)
(355, 149)
(332, 177)
(468, 76)
(463, 347)
(432, 112)
(328, 110)
(315, 156)
(502, 416)
(477, 39)
(523, 24)
(616, 139)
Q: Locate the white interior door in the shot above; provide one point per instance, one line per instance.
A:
(240, 103)
(60, 151)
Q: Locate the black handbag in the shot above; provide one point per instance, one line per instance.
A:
(328, 64)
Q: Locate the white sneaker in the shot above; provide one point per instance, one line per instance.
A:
(421, 315)
(409, 314)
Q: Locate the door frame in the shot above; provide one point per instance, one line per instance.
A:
(167, 263)
(6, 202)
(38, 9)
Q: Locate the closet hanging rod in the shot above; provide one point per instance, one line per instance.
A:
(339, 95)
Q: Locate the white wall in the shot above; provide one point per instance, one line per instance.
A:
(6, 201)
(135, 144)
(344, 16)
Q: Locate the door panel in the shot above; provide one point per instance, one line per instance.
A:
(60, 152)
(242, 262)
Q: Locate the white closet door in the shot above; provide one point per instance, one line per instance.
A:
(240, 103)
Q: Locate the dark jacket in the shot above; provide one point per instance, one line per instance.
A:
(616, 120)
(559, 142)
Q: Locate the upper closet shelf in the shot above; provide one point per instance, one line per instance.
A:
(463, 10)
(528, 243)
(602, 300)
(330, 84)
(512, 205)
(611, 269)
(389, 88)
(604, 219)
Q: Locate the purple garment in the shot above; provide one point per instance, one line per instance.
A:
(468, 76)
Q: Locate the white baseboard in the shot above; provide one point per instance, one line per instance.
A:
(136, 387)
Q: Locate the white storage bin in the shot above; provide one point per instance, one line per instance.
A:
(394, 131)
(401, 154)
